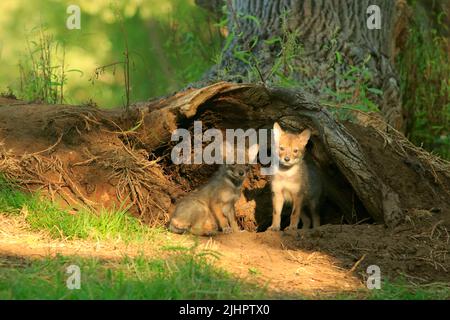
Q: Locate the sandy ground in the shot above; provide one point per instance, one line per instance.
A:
(262, 257)
(285, 269)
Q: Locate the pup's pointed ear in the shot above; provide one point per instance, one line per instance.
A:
(277, 131)
(253, 153)
(304, 137)
(227, 152)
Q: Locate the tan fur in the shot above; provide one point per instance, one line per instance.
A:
(211, 208)
(296, 182)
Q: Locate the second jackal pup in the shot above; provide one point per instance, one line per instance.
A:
(210, 208)
(298, 181)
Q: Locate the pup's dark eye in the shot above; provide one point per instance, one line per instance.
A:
(295, 150)
(281, 148)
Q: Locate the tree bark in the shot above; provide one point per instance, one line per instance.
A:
(334, 38)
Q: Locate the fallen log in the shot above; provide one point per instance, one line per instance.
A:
(249, 106)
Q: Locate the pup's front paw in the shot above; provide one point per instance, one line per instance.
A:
(273, 228)
(227, 230)
(291, 228)
(210, 233)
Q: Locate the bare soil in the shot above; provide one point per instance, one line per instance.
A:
(418, 185)
(325, 262)
(253, 257)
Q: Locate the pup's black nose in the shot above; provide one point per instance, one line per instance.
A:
(287, 159)
(241, 173)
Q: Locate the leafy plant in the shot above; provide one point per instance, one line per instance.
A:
(424, 66)
(42, 70)
(352, 88)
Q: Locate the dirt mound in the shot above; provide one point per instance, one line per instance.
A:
(80, 155)
(335, 258)
(419, 184)
(269, 259)
(417, 251)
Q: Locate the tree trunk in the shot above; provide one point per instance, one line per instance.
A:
(324, 47)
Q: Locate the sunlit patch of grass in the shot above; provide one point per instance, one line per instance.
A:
(42, 214)
(183, 276)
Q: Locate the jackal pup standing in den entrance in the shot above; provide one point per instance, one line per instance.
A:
(298, 181)
(211, 207)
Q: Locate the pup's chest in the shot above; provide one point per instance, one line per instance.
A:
(287, 182)
(229, 195)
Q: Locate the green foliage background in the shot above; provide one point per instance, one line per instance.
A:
(171, 44)
(424, 67)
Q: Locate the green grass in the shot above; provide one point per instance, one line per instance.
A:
(42, 71)
(183, 276)
(401, 290)
(398, 289)
(42, 214)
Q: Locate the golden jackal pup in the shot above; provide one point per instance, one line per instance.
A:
(211, 207)
(297, 181)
